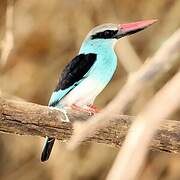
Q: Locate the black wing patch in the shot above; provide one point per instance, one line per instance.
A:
(107, 34)
(75, 70)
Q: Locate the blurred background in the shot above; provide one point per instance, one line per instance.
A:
(37, 38)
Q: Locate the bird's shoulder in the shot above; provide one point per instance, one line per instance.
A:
(73, 73)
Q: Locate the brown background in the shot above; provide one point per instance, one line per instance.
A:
(47, 35)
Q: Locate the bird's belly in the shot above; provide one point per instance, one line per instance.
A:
(83, 94)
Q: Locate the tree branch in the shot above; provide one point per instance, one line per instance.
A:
(24, 118)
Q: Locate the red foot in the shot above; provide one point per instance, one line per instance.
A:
(91, 109)
(94, 108)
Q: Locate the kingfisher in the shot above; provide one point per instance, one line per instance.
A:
(88, 73)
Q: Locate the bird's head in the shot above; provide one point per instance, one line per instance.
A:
(110, 33)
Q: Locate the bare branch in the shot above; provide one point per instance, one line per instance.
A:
(162, 61)
(24, 118)
(133, 152)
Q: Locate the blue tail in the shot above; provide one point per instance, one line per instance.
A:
(48, 145)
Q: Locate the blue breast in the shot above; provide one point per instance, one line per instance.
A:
(106, 63)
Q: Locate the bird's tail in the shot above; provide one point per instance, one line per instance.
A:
(48, 145)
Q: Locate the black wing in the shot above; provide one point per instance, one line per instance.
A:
(75, 70)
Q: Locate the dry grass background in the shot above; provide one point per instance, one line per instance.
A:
(47, 34)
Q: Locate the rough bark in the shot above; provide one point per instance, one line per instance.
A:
(24, 118)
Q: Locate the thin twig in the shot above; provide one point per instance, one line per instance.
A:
(8, 41)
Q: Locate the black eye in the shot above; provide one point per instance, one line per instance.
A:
(107, 33)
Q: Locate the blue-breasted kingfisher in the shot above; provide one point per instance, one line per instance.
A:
(88, 73)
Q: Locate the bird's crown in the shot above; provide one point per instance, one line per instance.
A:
(104, 31)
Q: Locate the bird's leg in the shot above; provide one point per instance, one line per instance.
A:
(94, 108)
(77, 108)
(90, 109)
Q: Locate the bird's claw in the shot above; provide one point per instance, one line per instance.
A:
(90, 109)
(94, 108)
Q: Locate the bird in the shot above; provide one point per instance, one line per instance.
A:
(89, 72)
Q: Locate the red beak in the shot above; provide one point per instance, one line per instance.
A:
(131, 28)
